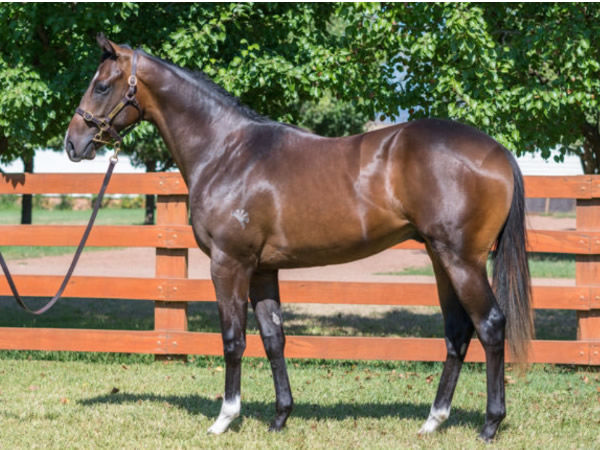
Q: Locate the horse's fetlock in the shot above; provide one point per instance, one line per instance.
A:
(285, 406)
(496, 414)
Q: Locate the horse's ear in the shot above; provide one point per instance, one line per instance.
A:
(105, 45)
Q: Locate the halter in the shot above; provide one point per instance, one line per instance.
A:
(105, 125)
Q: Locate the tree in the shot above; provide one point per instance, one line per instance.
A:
(274, 56)
(528, 74)
(331, 117)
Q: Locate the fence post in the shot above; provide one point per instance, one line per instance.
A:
(587, 267)
(171, 263)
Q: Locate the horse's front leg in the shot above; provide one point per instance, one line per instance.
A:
(231, 279)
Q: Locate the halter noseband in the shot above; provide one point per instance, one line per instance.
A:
(104, 124)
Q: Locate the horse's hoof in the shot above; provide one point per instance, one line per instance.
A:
(214, 430)
(276, 426)
(485, 439)
(428, 428)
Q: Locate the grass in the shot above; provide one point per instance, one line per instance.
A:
(125, 403)
(541, 265)
(559, 215)
(83, 400)
(106, 216)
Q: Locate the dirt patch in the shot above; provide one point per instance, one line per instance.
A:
(140, 262)
(535, 222)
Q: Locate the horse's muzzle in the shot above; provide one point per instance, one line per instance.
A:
(89, 151)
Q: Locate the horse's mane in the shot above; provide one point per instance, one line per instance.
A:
(203, 81)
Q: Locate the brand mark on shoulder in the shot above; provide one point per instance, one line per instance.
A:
(241, 216)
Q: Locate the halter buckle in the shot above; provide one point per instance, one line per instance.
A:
(132, 81)
(115, 156)
(87, 116)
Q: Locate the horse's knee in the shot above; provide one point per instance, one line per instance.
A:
(456, 348)
(458, 336)
(271, 331)
(271, 327)
(233, 347)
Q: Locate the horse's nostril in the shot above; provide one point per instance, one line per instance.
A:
(70, 149)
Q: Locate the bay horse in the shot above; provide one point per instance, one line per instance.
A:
(266, 196)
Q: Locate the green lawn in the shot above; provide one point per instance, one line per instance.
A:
(83, 400)
(106, 216)
(128, 403)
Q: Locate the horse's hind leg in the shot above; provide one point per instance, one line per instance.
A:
(264, 295)
(470, 282)
(458, 331)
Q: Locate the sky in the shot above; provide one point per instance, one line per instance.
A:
(57, 162)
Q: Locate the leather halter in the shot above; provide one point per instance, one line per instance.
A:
(104, 124)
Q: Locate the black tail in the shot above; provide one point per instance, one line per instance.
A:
(511, 282)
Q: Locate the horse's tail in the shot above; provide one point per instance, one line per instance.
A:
(511, 281)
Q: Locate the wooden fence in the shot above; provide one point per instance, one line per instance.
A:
(171, 289)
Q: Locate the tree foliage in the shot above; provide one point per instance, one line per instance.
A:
(276, 57)
(527, 73)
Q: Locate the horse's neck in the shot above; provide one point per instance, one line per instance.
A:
(191, 119)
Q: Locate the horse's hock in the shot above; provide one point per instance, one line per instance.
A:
(171, 289)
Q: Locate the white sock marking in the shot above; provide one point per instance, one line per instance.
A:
(229, 411)
(435, 419)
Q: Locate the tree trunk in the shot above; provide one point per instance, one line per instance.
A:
(150, 199)
(27, 200)
(590, 158)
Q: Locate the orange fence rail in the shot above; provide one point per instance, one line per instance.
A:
(171, 289)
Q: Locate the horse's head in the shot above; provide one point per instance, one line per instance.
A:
(108, 106)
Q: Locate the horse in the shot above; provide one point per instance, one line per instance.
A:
(265, 196)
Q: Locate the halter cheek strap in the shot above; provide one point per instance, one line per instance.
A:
(105, 124)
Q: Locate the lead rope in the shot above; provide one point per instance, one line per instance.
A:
(113, 161)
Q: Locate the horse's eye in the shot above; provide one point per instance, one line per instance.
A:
(101, 88)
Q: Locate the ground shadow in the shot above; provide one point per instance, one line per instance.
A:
(264, 411)
(396, 322)
(203, 316)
